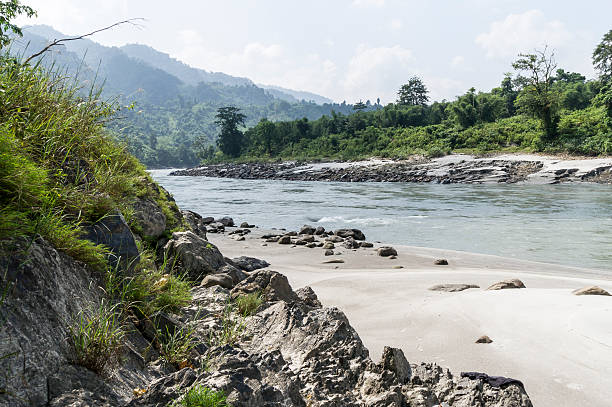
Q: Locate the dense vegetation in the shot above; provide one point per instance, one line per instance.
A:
(540, 108)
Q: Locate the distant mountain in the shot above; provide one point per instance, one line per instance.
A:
(295, 95)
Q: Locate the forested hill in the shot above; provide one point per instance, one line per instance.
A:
(174, 104)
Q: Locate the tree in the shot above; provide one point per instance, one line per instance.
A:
(414, 93)
(231, 138)
(359, 106)
(538, 97)
(602, 57)
(8, 11)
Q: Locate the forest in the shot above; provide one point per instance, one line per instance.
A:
(537, 108)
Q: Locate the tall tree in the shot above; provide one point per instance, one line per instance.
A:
(8, 11)
(359, 106)
(538, 97)
(602, 57)
(413, 93)
(231, 138)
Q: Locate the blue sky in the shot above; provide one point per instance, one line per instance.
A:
(348, 49)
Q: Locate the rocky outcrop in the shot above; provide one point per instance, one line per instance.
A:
(249, 263)
(197, 224)
(113, 232)
(507, 284)
(197, 256)
(593, 290)
(149, 217)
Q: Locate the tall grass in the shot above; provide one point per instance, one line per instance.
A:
(200, 396)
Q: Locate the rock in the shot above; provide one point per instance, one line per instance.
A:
(196, 223)
(307, 238)
(292, 233)
(249, 263)
(216, 227)
(328, 245)
(386, 251)
(398, 267)
(354, 233)
(451, 288)
(320, 230)
(441, 262)
(235, 273)
(149, 217)
(334, 239)
(307, 230)
(226, 221)
(301, 242)
(484, 339)
(593, 290)
(392, 257)
(308, 297)
(311, 245)
(329, 252)
(239, 238)
(366, 244)
(197, 256)
(393, 360)
(284, 240)
(271, 284)
(246, 225)
(333, 261)
(207, 220)
(350, 243)
(223, 280)
(113, 232)
(506, 284)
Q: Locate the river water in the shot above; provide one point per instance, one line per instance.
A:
(569, 224)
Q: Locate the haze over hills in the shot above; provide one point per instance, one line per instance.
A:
(175, 104)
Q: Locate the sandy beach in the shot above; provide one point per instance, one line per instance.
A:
(557, 343)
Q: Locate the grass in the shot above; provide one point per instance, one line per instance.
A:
(248, 304)
(97, 337)
(176, 347)
(231, 330)
(200, 396)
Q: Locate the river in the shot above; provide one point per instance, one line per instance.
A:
(568, 224)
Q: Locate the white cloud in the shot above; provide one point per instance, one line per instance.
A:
(368, 3)
(522, 33)
(396, 24)
(457, 61)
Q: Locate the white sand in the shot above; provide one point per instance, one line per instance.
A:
(558, 344)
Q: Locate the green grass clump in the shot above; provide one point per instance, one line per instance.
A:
(249, 303)
(200, 396)
(232, 328)
(97, 338)
(175, 347)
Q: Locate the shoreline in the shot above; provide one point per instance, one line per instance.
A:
(454, 168)
(543, 335)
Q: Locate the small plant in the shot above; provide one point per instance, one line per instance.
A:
(249, 303)
(231, 328)
(97, 338)
(200, 396)
(175, 347)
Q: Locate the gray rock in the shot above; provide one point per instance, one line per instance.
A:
(307, 230)
(226, 221)
(196, 223)
(451, 288)
(329, 252)
(393, 360)
(441, 262)
(386, 251)
(308, 297)
(246, 225)
(334, 261)
(235, 273)
(311, 245)
(224, 280)
(113, 232)
(366, 244)
(350, 243)
(593, 290)
(149, 216)
(354, 233)
(271, 284)
(320, 230)
(334, 239)
(284, 240)
(484, 339)
(215, 227)
(506, 284)
(328, 245)
(197, 256)
(249, 263)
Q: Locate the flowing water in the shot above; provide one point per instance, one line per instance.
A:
(569, 224)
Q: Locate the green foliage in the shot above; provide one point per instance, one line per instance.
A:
(8, 11)
(413, 93)
(200, 396)
(230, 139)
(249, 303)
(232, 328)
(602, 57)
(175, 347)
(97, 338)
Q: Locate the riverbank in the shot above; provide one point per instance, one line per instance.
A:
(555, 342)
(455, 168)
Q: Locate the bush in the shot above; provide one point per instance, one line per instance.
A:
(97, 337)
(249, 303)
(200, 396)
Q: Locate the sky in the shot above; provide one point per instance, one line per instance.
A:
(348, 49)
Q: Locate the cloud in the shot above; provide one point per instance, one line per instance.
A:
(396, 24)
(522, 33)
(457, 61)
(368, 3)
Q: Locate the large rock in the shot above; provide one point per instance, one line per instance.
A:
(196, 223)
(271, 284)
(226, 221)
(386, 251)
(113, 232)
(507, 284)
(593, 290)
(197, 256)
(223, 280)
(149, 217)
(249, 263)
(354, 233)
(451, 288)
(307, 230)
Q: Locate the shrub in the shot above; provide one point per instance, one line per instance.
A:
(200, 396)
(97, 337)
(249, 303)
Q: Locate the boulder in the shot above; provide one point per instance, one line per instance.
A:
(308, 297)
(351, 243)
(249, 263)
(484, 339)
(226, 221)
(307, 230)
(451, 288)
(334, 239)
(271, 284)
(216, 227)
(386, 251)
(393, 360)
(207, 220)
(284, 240)
(246, 225)
(319, 230)
(195, 222)
(235, 273)
(329, 252)
(223, 280)
(197, 256)
(506, 284)
(311, 245)
(328, 245)
(354, 233)
(441, 262)
(113, 232)
(149, 217)
(593, 290)
(366, 244)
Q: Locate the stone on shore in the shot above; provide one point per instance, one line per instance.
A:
(386, 251)
(196, 223)
(441, 262)
(334, 239)
(366, 244)
(222, 280)
(451, 288)
(351, 243)
(284, 240)
(593, 290)
(249, 263)
(333, 261)
(226, 221)
(354, 233)
(329, 245)
(319, 230)
(149, 216)
(506, 284)
(484, 339)
(246, 225)
(307, 230)
(197, 256)
(329, 252)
